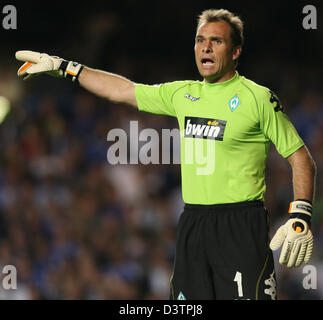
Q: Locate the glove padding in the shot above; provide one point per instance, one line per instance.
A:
(297, 240)
(38, 63)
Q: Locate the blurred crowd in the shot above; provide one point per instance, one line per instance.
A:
(77, 227)
(73, 225)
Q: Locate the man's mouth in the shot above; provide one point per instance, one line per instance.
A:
(207, 61)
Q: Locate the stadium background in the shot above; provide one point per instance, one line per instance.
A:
(77, 227)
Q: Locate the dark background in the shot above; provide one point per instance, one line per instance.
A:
(77, 227)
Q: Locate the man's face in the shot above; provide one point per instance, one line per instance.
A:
(214, 54)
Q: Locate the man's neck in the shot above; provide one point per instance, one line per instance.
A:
(221, 78)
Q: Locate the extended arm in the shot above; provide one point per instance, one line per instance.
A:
(104, 84)
(108, 85)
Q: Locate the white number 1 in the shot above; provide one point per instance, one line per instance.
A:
(238, 280)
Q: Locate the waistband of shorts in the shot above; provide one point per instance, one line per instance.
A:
(216, 207)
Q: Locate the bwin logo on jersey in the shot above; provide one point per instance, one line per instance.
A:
(233, 103)
(204, 128)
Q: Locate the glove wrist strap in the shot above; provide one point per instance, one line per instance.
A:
(71, 70)
(300, 206)
(301, 216)
(301, 209)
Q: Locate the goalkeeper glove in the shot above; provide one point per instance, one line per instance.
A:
(295, 235)
(37, 63)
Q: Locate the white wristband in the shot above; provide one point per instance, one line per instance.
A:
(299, 206)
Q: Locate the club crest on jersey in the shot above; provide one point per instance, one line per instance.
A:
(204, 128)
(233, 103)
(181, 296)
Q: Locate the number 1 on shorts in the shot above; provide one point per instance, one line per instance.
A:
(238, 280)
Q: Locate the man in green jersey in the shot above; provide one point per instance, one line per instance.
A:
(227, 123)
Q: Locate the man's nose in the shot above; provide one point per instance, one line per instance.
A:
(207, 47)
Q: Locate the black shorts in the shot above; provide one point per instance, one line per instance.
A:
(222, 252)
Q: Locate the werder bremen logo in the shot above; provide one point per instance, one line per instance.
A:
(181, 296)
(233, 103)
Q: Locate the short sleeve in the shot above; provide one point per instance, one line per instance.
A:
(157, 99)
(276, 125)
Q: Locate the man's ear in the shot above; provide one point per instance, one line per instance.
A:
(236, 52)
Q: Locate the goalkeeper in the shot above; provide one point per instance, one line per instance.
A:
(222, 245)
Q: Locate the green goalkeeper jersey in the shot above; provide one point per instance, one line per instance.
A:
(226, 129)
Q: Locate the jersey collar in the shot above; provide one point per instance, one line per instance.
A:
(221, 85)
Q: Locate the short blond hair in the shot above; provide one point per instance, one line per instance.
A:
(215, 15)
